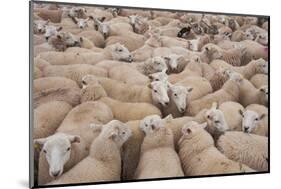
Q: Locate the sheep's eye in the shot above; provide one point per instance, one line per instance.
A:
(217, 121)
(146, 125)
(156, 79)
(256, 119)
(68, 149)
(175, 94)
(155, 91)
(120, 50)
(84, 83)
(123, 133)
(45, 151)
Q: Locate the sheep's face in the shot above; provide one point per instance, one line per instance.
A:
(153, 122)
(82, 23)
(57, 149)
(121, 53)
(159, 90)
(264, 92)
(191, 129)
(236, 77)
(159, 76)
(212, 51)
(158, 64)
(133, 19)
(39, 26)
(262, 38)
(250, 120)
(179, 96)
(173, 61)
(150, 123)
(104, 29)
(51, 31)
(114, 130)
(68, 38)
(215, 119)
(262, 66)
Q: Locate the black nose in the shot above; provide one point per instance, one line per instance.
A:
(182, 109)
(81, 27)
(46, 38)
(246, 129)
(39, 30)
(56, 173)
(166, 103)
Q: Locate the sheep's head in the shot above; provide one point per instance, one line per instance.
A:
(159, 76)
(159, 90)
(57, 149)
(68, 38)
(191, 129)
(153, 122)
(264, 93)
(179, 95)
(212, 51)
(157, 63)
(81, 23)
(133, 19)
(101, 26)
(39, 26)
(173, 61)
(250, 120)
(261, 66)
(215, 119)
(262, 38)
(120, 52)
(114, 130)
(51, 31)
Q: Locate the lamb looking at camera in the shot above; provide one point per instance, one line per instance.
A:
(104, 160)
(73, 130)
(255, 119)
(199, 156)
(158, 158)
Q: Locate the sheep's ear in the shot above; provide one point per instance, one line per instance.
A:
(103, 18)
(203, 125)
(241, 112)
(168, 118)
(96, 127)
(262, 116)
(262, 89)
(74, 138)
(150, 76)
(91, 17)
(39, 143)
(189, 89)
(59, 28)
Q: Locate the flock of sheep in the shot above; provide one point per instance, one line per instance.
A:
(124, 94)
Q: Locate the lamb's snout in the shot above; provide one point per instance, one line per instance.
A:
(47, 38)
(130, 59)
(246, 129)
(182, 110)
(55, 173)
